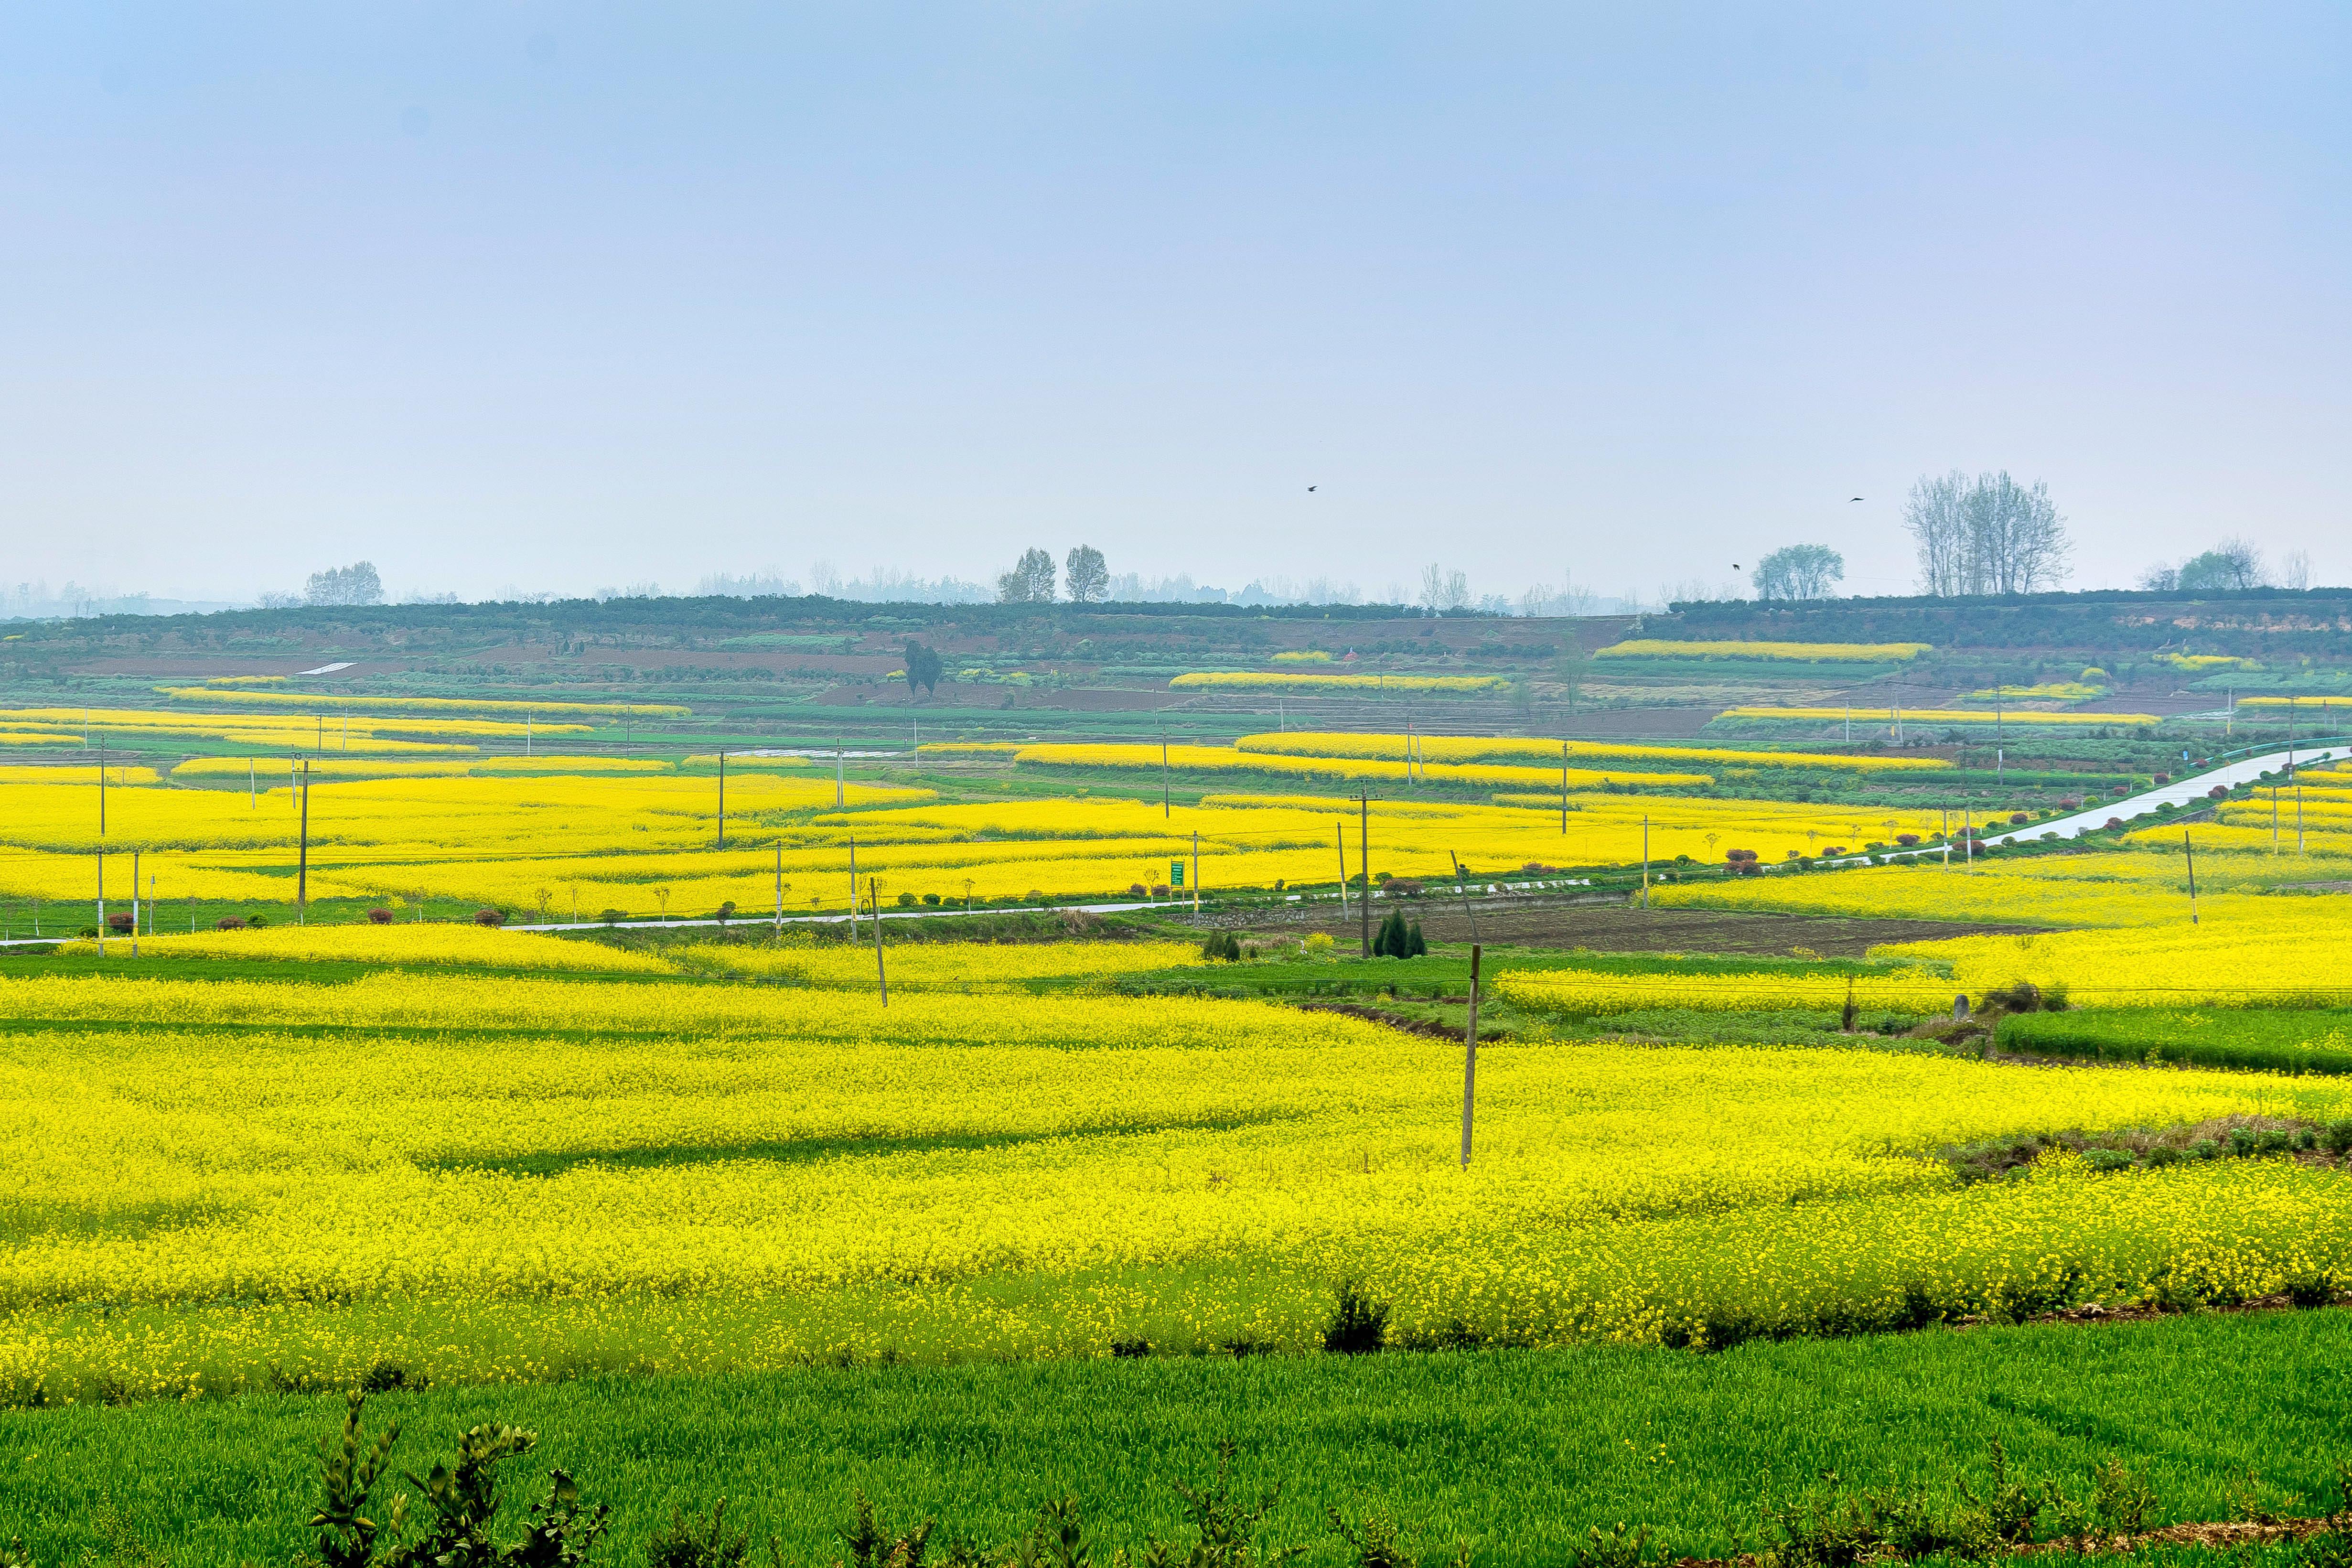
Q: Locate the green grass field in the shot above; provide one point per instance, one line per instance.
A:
(2272, 1039)
(1516, 1452)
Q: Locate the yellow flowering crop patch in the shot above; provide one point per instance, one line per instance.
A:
(411, 943)
(1585, 994)
(2110, 890)
(1533, 752)
(1938, 715)
(339, 702)
(1253, 680)
(490, 1177)
(1810, 652)
(937, 966)
(2047, 691)
(1222, 760)
(2206, 663)
(2242, 952)
(339, 767)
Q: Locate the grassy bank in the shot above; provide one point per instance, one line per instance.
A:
(1516, 1452)
(2268, 1039)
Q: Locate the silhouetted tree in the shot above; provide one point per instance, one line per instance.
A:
(1031, 580)
(923, 667)
(1799, 571)
(1087, 579)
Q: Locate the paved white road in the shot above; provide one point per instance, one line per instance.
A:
(2180, 792)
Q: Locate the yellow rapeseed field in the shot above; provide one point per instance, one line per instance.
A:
(2243, 950)
(339, 703)
(1938, 715)
(414, 943)
(2141, 888)
(1589, 993)
(970, 967)
(214, 1182)
(1193, 760)
(645, 843)
(1538, 753)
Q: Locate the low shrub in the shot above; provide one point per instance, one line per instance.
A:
(379, 917)
(490, 917)
(1359, 1325)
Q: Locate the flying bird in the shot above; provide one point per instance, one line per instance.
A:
(1857, 497)
(1311, 489)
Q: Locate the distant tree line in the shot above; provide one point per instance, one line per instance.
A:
(2234, 565)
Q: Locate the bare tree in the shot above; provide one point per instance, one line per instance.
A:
(1568, 599)
(1088, 577)
(1799, 571)
(1444, 592)
(1936, 514)
(2017, 541)
(1986, 535)
(1031, 580)
(2297, 573)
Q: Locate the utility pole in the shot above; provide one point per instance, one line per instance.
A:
(780, 887)
(102, 902)
(302, 866)
(880, 973)
(1645, 862)
(1339, 831)
(1364, 855)
(2190, 851)
(722, 797)
(1470, 1059)
(1968, 838)
(101, 790)
(837, 805)
(134, 903)
(1196, 871)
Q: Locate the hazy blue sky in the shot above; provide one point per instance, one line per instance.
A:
(566, 296)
